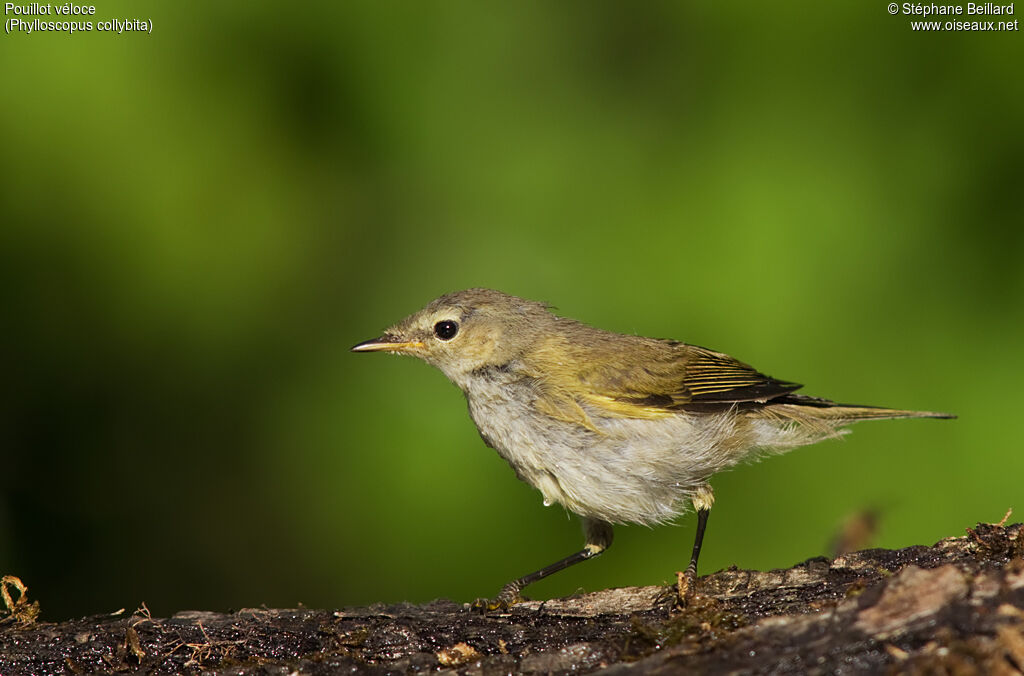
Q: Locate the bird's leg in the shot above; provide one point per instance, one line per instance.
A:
(598, 536)
(702, 500)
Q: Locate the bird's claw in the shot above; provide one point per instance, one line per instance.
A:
(686, 587)
(503, 602)
(490, 605)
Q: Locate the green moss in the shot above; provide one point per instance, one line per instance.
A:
(703, 620)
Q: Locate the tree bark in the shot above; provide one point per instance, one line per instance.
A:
(955, 607)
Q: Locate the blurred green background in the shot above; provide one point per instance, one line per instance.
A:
(197, 224)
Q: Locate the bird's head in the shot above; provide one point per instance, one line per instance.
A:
(466, 331)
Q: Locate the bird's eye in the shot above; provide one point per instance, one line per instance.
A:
(446, 329)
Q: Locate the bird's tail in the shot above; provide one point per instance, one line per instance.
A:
(823, 409)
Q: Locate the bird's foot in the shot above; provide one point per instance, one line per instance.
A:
(686, 587)
(502, 603)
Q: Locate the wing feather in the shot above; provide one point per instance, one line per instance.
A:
(648, 378)
(715, 377)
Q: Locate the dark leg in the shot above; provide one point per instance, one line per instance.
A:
(698, 540)
(702, 501)
(598, 538)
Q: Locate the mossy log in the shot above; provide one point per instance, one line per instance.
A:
(955, 607)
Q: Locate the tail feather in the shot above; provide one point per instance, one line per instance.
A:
(830, 410)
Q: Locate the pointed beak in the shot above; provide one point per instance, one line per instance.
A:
(386, 344)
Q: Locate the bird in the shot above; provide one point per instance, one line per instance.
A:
(619, 429)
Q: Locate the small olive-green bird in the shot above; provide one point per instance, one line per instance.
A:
(617, 428)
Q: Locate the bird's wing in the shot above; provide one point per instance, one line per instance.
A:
(715, 377)
(676, 378)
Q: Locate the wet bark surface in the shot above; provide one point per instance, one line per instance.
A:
(955, 607)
